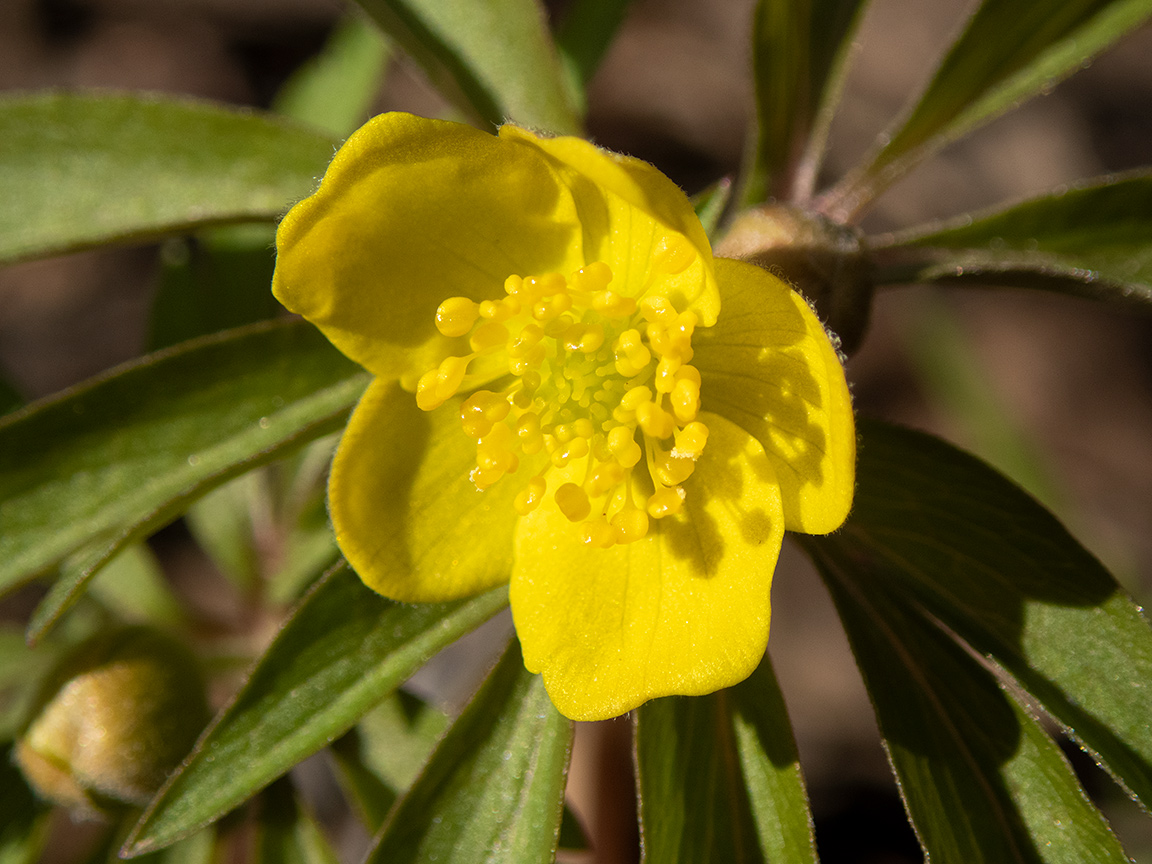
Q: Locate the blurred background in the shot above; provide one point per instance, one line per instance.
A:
(1055, 391)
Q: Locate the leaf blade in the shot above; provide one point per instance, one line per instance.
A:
(1001, 572)
(492, 58)
(1010, 51)
(1092, 240)
(494, 787)
(99, 465)
(799, 54)
(981, 780)
(343, 650)
(81, 170)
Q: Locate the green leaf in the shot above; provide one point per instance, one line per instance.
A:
(980, 778)
(493, 58)
(80, 170)
(334, 90)
(1093, 240)
(799, 53)
(494, 788)
(771, 768)
(133, 587)
(1010, 51)
(88, 471)
(588, 28)
(21, 670)
(384, 753)
(343, 650)
(1002, 573)
(286, 832)
(719, 778)
(219, 279)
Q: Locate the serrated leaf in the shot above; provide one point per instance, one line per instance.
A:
(98, 466)
(719, 778)
(1094, 240)
(493, 58)
(1010, 51)
(494, 788)
(981, 780)
(80, 170)
(799, 49)
(1000, 571)
(343, 650)
(334, 90)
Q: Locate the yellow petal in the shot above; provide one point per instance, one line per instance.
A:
(407, 518)
(410, 212)
(769, 366)
(684, 610)
(627, 210)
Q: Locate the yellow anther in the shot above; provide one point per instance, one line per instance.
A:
(529, 435)
(631, 524)
(671, 470)
(573, 502)
(656, 308)
(686, 323)
(436, 386)
(685, 399)
(612, 305)
(636, 397)
(489, 335)
(689, 373)
(591, 372)
(674, 254)
(654, 420)
(530, 360)
(666, 369)
(494, 456)
(551, 283)
(598, 533)
(456, 315)
(690, 441)
(529, 498)
(606, 477)
(551, 306)
(574, 449)
(527, 339)
(500, 310)
(593, 277)
(632, 357)
(622, 444)
(666, 502)
(481, 410)
(586, 338)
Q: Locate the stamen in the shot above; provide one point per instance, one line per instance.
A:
(592, 368)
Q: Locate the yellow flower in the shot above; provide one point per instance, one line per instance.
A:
(561, 400)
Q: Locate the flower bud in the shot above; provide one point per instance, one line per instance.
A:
(115, 717)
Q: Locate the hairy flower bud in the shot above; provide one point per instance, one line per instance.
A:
(115, 717)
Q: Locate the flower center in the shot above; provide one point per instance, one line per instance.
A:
(598, 382)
